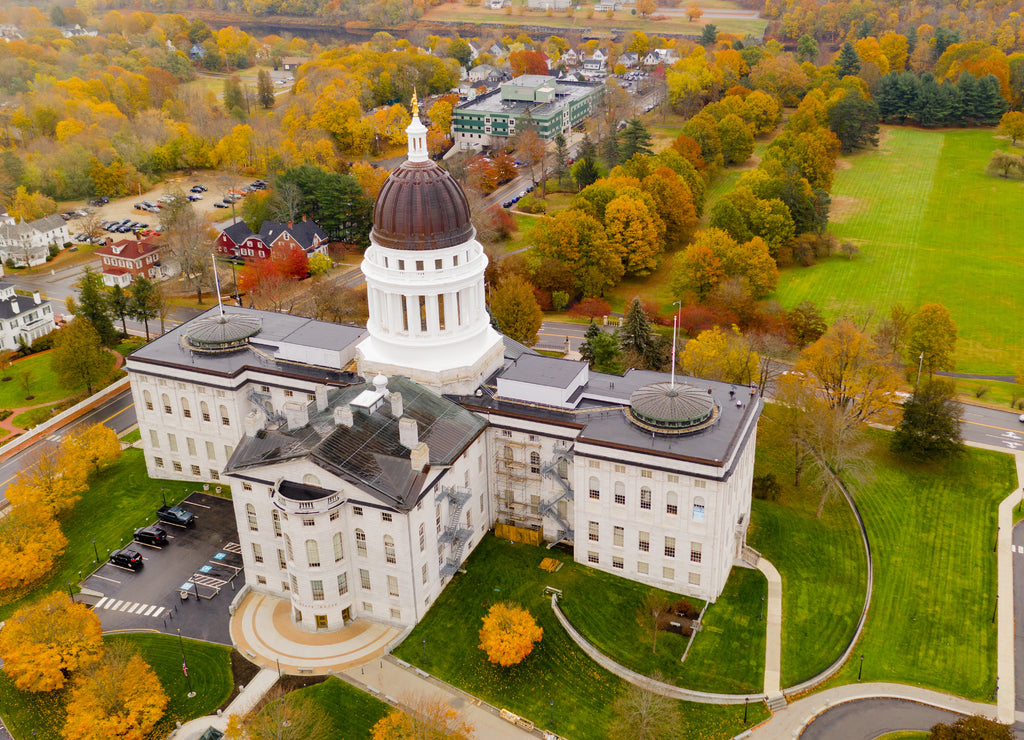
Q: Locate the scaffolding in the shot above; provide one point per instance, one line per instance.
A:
(520, 486)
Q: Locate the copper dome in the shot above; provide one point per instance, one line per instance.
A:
(420, 206)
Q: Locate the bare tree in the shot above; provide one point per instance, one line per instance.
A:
(424, 717)
(192, 241)
(770, 348)
(290, 198)
(648, 616)
(641, 714)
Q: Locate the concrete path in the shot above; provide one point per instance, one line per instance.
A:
(241, 705)
(773, 626)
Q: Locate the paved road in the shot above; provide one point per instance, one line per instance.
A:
(993, 427)
(869, 718)
(1018, 615)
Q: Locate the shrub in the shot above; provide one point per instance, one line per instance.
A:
(591, 308)
(529, 204)
(766, 487)
(686, 609)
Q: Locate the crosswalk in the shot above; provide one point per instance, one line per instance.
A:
(130, 607)
(1019, 549)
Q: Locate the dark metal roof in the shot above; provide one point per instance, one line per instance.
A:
(221, 331)
(419, 207)
(672, 408)
(543, 370)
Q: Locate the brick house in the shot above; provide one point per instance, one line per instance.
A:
(239, 242)
(126, 259)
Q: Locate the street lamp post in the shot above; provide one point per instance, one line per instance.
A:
(920, 362)
(552, 723)
(860, 670)
(761, 617)
(996, 610)
(424, 651)
(746, 702)
(70, 592)
(163, 496)
(95, 551)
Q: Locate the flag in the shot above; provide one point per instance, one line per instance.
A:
(184, 667)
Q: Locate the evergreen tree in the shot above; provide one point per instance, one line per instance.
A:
(610, 150)
(586, 348)
(585, 172)
(601, 350)
(807, 48)
(636, 339)
(93, 306)
(930, 427)
(708, 35)
(944, 38)
(935, 102)
(635, 139)
(561, 156)
(847, 63)
(990, 105)
(587, 149)
(854, 121)
(145, 301)
(265, 89)
(120, 306)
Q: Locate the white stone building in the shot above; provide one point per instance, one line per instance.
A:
(28, 244)
(23, 319)
(360, 496)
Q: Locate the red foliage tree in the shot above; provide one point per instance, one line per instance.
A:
(528, 62)
(290, 260)
(591, 308)
(504, 166)
(482, 174)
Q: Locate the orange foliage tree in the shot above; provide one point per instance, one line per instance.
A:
(30, 543)
(53, 481)
(94, 447)
(118, 697)
(427, 717)
(290, 260)
(43, 642)
(508, 634)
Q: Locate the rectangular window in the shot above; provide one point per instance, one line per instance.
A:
(206, 416)
(308, 521)
(154, 438)
(172, 442)
(700, 484)
(440, 310)
(419, 265)
(214, 475)
(620, 468)
(694, 579)
(593, 558)
(335, 515)
(668, 574)
(385, 516)
(405, 308)
(670, 547)
(318, 590)
(595, 494)
(357, 511)
(506, 433)
(265, 388)
(228, 450)
(191, 444)
(671, 509)
(396, 613)
(158, 461)
(281, 562)
(645, 542)
(262, 580)
(695, 552)
(210, 452)
(438, 264)
(149, 405)
(289, 394)
(368, 607)
(698, 512)
(618, 536)
(401, 264)
(594, 463)
(364, 579)
(177, 466)
(285, 586)
(257, 552)
(646, 474)
(617, 563)
(645, 498)
(642, 567)
(424, 572)
(392, 586)
(246, 485)
(672, 478)
(342, 584)
(620, 499)
(423, 537)
(594, 532)
(294, 582)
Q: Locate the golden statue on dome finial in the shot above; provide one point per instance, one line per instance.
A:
(415, 105)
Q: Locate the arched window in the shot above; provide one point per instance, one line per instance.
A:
(535, 463)
(698, 509)
(288, 547)
(671, 503)
(620, 493)
(204, 409)
(166, 401)
(389, 549)
(313, 553)
(339, 552)
(595, 488)
(224, 419)
(250, 514)
(645, 498)
(361, 543)
(185, 410)
(148, 398)
(310, 480)
(277, 523)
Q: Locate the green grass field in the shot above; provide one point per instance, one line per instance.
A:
(353, 712)
(127, 498)
(43, 383)
(556, 669)
(931, 227)
(42, 715)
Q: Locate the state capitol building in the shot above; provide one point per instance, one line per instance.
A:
(366, 464)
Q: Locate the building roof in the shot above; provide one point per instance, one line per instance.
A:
(538, 369)
(238, 232)
(303, 232)
(25, 304)
(421, 207)
(131, 249)
(369, 454)
(565, 92)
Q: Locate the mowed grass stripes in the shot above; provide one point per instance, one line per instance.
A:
(932, 227)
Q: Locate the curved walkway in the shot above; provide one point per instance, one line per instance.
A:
(868, 719)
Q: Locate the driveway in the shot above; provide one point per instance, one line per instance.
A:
(162, 595)
(870, 718)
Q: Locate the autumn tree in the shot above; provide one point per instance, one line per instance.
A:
(44, 641)
(423, 716)
(516, 311)
(806, 323)
(118, 697)
(78, 356)
(1005, 164)
(30, 544)
(932, 338)
(1012, 125)
(636, 232)
(290, 260)
(234, 96)
(265, 89)
(508, 634)
(641, 714)
(53, 481)
(851, 372)
(92, 447)
(720, 354)
(192, 241)
(282, 717)
(578, 242)
(527, 62)
(737, 139)
(972, 728)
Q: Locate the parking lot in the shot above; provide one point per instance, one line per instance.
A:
(162, 594)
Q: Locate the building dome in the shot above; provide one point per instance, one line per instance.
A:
(420, 207)
(672, 408)
(225, 332)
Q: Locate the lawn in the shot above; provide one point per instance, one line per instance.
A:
(931, 226)
(352, 712)
(556, 670)
(43, 383)
(127, 499)
(42, 715)
(29, 419)
(932, 532)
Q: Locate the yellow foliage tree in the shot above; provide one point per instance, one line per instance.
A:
(719, 354)
(426, 717)
(53, 482)
(31, 206)
(94, 447)
(118, 697)
(631, 225)
(371, 178)
(43, 642)
(30, 543)
(508, 634)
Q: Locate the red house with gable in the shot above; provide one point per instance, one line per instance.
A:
(239, 242)
(126, 259)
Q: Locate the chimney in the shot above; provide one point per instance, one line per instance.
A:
(36, 297)
(290, 225)
(408, 432)
(14, 304)
(296, 414)
(419, 457)
(343, 416)
(321, 397)
(303, 217)
(396, 405)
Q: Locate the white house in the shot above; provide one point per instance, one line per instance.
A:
(23, 320)
(28, 244)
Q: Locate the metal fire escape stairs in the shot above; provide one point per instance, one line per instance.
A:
(261, 401)
(455, 533)
(550, 508)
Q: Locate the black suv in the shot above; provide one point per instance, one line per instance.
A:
(151, 535)
(126, 558)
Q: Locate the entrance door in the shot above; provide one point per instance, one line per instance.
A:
(321, 621)
(346, 615)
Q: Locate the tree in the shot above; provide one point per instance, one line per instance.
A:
(932, 338)
(930, 427)
(851, 372)
(636, 232)
(648, 616)
(847, 62)
(736, 138)
(425, 717)
(634, 139)
(580, 244)
(45, 641)
(718, 354)
(118, 697)
(708, 34)
(854, 120)
(144, 300)
(234, 96)
(291, 717)
(78, 356)
(290, 260)
(644, 349)
(806, 323)
(93, 306)
(1012, 125)
(265, 89)
(319, 264)
(516, 311)
(561, 157)
(53, 481)
(508, 634)
(601, 349)
(120, 305)
(30, 544)
(257, 208)
(192, 241)
(972, 728)
(459, 50)
(1005, 164)
(25, 379)
(585, 172)
(694, 13)
(528, 62)
(807, 48)
(92, 447)
(641, 714)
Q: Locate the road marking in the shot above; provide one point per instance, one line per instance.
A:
(126, 605)
(104, 578)
(158, 611)
(193, 503)
(99, 603)
(150, 610)
(114, 607)
(989, 426)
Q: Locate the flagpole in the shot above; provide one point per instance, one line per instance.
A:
(184, 665)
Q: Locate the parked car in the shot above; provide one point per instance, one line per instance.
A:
(126, 558)
(100, 201)
(220, 204)
(198, 188)
(151, 535)
(192, 197)
(176, 515)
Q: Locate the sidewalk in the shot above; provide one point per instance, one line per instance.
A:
(242, 704)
